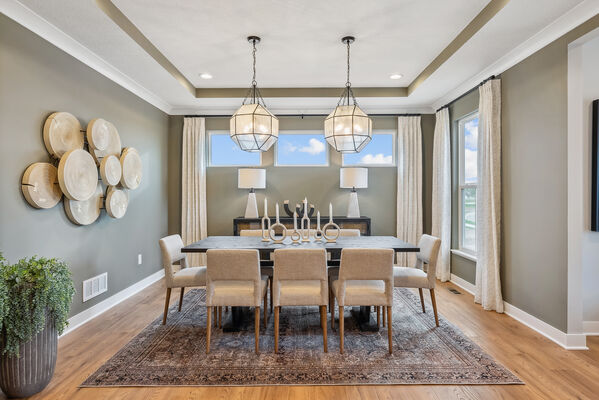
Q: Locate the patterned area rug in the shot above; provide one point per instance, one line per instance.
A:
(174, 354)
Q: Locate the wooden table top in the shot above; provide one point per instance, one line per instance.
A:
(253, 242)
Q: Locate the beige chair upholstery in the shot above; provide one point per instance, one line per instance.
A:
(334, 270)
(419, 277)
(365, 279)
(346, 232)
(178, 277)
(300, 279)
(265, 269)
(233, 279)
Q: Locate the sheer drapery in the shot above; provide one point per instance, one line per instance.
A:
(441, 195)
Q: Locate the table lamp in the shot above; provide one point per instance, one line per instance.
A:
(251, 178)
(354, 178)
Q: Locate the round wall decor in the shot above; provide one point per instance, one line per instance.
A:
(62, 132)
(116, 202)
(100, 133)
(110, 170)
(40, 185)
(132, 168)
(87, 211)
(77, 175)
(112, 147)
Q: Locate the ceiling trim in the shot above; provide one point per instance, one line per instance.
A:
(279, 111)
(302, 92)
(564, 24)
(41, 27)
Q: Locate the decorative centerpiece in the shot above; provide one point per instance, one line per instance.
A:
(318, 231)
(277, 224)
(331, 226)
(265, 223)
(305, 224)
(295, 235)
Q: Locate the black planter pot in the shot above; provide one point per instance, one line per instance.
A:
(31, 372)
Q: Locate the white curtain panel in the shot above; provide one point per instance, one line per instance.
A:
(409, 185)
(441, 212)
(488, 198)
(193, 196)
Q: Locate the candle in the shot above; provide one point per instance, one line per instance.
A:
(265, 207)
(295, 221)
(330, 212)
(277, 212)
(318, 221)
(305, 206)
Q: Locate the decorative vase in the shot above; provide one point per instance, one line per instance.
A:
(31, 371)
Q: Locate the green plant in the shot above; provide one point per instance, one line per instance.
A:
(33, 289)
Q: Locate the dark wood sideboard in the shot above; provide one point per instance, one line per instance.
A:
(362, 223)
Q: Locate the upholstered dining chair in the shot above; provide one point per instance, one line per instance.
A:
(419, 277)
(233, 279)
(186, 276)
(300, 279)
(265, 269)
(365, 279)
(334, 270)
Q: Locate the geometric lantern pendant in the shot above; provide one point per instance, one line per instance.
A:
(252, 127)
(348, 129)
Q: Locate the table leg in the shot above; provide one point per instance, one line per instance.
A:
(363, 319)
(240, 319)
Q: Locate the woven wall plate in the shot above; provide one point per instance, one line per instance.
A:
(85, 212)
(62, 132)
(116, 202)
(110, 170)
(132, 168)
(77, 175)
(40, 185)
(100, 133)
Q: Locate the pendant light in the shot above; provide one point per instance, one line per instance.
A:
(348, 129)
(252, 126)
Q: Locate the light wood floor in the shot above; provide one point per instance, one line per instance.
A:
(549, 371)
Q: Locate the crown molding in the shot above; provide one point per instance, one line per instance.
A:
(41, 27)
(281, 112)
(564, 24)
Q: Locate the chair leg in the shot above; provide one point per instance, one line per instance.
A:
(220, 317)
(384, 312)
(434, 306)
(390, 328)
(265, 308)
(323, 323)
(331, 298)
(378, 316)
(341, 329)
(181, 298)
(168, 299)
(332, 318)
(208, 327)
(257, 328)
(277, 329)
(421, 299)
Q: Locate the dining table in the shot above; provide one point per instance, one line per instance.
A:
(241, 317)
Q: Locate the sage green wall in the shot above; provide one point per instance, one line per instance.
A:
(37, 79)
(319, 184)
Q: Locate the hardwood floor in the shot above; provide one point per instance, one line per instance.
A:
(549, 371)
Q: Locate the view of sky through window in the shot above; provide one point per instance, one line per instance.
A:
(224, 151)
(378, 152)
(470, 144)
(302, 149)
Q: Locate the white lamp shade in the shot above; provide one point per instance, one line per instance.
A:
(251, 178)
(353, 178)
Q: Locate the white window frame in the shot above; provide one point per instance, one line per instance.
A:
(209, 152)
(393, 133)
(301, 132)
(463, 185)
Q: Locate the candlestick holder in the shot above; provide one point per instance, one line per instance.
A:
(296, 236)
(331, 226)
(272, 233)
(305, 228)
(265, 229)
(318, 236)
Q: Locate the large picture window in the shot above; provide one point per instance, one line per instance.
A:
(380, 152)
(224, 152)
(468, 181)
(299, 148)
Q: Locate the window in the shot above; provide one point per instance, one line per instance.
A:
(380, 152)
(297, 148)
(224, 152)
(468, 140)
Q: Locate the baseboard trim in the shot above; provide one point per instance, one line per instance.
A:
(590, 328)
(85, 316)
(565, 340)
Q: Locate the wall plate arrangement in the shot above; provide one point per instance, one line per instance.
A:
(78, 159)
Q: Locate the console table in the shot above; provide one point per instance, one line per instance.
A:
(361, 223)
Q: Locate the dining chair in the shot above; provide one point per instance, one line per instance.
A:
(233, 279)
(300, 279)
(185, 276)
(334, 269)
(418, 277)
(365, 279)
(265, 269)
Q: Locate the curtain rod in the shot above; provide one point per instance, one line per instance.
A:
(468, 92)
(302, 115)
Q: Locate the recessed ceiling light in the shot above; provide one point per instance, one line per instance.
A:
(396, 76)
(205, 75)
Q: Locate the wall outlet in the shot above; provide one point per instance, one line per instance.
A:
(139, 259)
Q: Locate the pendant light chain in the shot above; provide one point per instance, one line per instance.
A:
(254, 92)
(254, 83)
(348, 92)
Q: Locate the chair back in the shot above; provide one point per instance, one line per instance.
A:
(367, 265)
(250, 232)
(348, 232)
(233, 265)
(170, 247)
(300, 264)
(428, 254)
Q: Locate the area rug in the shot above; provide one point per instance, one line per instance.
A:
(174, 354)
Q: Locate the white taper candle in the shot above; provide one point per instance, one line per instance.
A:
(265, 207)
(277, 212)
(318, 220)
(295, 221)
(330, 212)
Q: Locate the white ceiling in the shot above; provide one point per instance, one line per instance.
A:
(301, 44)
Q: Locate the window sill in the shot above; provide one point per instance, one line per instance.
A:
(463, 254)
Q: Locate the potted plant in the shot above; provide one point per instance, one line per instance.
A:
(35, 297)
